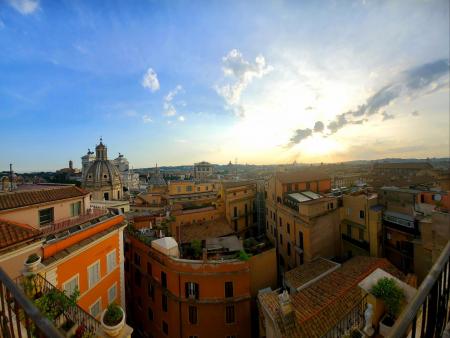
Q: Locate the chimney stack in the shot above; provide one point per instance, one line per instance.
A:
(286, 310)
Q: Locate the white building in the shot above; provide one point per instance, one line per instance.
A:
(130, 180)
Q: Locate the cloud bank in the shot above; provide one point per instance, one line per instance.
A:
(414, 82)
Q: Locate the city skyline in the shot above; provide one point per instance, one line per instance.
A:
(177, 82)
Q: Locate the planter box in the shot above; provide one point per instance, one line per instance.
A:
(385, 329)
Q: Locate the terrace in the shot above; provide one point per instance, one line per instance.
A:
(33, 307)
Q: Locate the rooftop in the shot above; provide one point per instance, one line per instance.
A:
(304, 196)
(205, 230)
(318, 307)
(19, 199)
(305, 175)
(403, 165)
(304, 274)
(13, 233)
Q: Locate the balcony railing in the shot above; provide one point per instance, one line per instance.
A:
(352, 320)
(36, 286)
(67, 223)
(19, 317)
(427, 314)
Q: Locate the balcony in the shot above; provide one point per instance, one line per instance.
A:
(427, 314)
(33, 307)
(68, 223)
(360, 244)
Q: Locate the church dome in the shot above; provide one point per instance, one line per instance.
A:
(102, 176)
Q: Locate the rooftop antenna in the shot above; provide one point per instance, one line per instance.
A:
(10, 177)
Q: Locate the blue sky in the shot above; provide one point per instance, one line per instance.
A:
(176, 82)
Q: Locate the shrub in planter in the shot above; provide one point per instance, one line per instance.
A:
(113, 319)
(393, 297)
(32, 258)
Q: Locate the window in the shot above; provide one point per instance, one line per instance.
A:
(288, 228)
(289, 187)
(150, 314)
(229, 314)
(112, 293)
(331, 205)
(289, 249)
(137, 259)
(95, 308)
(137, 278)
(300, 239)
(111, 261)
(151, 291)
(228, 289)
(93, 274)
(281, 222)
(235, 211)
(178, 189)
(163, 279)
(192, 314)
(349, 230)
(149, 268)
(71, 285)
(165, 328)
(361, 214)
(301, 258)
(45, 216)
(127, 266)
(361, 234)
(164, 302)
(192, 290)
(75, 209)
(281, 239)
(189, 188)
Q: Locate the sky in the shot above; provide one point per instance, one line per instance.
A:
(260, 82)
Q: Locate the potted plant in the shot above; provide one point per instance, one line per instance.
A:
(113, 320)
(393, 297)
(32, 262)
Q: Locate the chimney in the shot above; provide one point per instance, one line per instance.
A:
(286, 310)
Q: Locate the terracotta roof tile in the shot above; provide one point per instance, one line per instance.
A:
(13, 233)
(304, 175)
(201, 231)
(301, 275)
(319, 307)
(12, 200)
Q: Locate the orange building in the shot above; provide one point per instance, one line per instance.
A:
(182, 296)
(80, 248)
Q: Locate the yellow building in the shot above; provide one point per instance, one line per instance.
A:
(239, 199)
(300, 220)
(361, 231)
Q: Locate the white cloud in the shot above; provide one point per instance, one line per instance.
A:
(150, 80)
(181, 118)
(169, 106)
(243, 71)
(146, 119)
(25, 7)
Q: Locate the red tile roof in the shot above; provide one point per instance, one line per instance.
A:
(303, 274)
(304, 175)
(319, 307)
(13, 233)
(201, 231)
(18, 199)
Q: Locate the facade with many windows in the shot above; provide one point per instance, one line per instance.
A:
(174, 297)
(80, 248)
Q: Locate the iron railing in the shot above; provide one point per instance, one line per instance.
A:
(352, 320)
(19, 317)
(67, 223)
(427, 314)
(36, 285)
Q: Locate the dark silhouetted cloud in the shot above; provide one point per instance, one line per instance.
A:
(319, 127)
(417, 81)
(387, 116)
